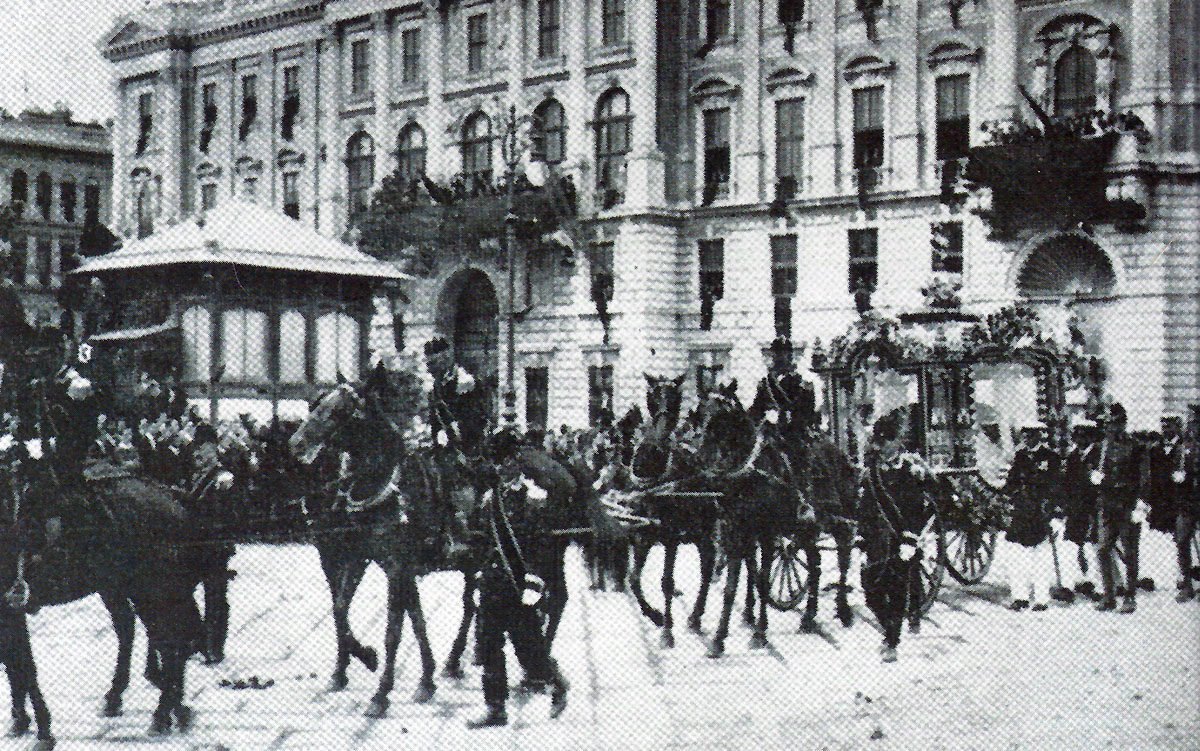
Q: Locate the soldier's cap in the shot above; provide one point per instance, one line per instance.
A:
(436, 345)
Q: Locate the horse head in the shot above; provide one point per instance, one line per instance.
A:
(728, 434)
(327, 421)
(664, 399)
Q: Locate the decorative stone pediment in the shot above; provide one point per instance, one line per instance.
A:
(714, 88)
(248, 167)
(208, 171)
(867, 65)
(953, 52)
(789, 76)
(130, 32)
(289, 158)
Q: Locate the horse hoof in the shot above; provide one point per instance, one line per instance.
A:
(454, 670)
(808, 625)
(183, 718)
(338, 683)
(369, 658)
(45, 744)
(694, 625)
(914, 627)
(716, 650)
(424, 693)
(112, 706)
(160, 725)
(846, 617)
(19, 728)
(758, 641)
(378, 709)
(666, 640)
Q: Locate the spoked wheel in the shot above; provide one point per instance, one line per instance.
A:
(788, 580)
(931, 547)
(969, 554)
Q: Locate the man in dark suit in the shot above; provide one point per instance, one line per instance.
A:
(783, 398)
(1117, 478)
(1033, 482)
(1187, 483)
(458, 405)
(510, 587)
(1080, 502)
(209, 494)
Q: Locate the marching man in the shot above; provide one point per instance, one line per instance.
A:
(1080, 496)
(1121, 513)
(1033, 480)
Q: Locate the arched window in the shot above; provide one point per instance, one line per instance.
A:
(360, 172)
(197, 344)
(477, 147)
(143, 210)
(45, 195)
(293, 345)
(337, 348)
(1075, 82)
(1066, 266)
(612, 145)
(410, 154)
(20, 190)
(549, 133)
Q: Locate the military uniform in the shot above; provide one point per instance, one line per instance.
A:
(1188, 500)
(1079, 496)
(1117, 479)
(209, 495)
(1033, 483)
(509, 587)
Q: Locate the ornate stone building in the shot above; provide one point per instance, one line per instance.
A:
(744, 169)
(59, 172)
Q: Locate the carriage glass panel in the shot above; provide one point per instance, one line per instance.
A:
(197, 344)
(1006, 397)
(293, 344)
(878, 391)
(337, 348)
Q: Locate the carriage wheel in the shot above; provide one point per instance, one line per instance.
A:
(788, 577)
(969, 554)
(931, 547)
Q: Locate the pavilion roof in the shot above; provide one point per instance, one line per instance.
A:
(241, 233)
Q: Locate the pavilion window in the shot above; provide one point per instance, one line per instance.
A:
(249, 106)
(784, 281)
(208, 196)
(337, 348)
(953, 117)
(209, 113)
(603, 279)
(716, 154)
(717, 19)
(360, 173)
(45, 195)
(244, 346)
(477, 149)
(143, 211)
(612, 22)
(360, 67)
(293, 347)
(66, 199)
(864, 265)
(91, 202)
(549, 133)
(19, 193)
(548, 28)
(145, 122)
(410, 155)
(45, 251)
(197, 344)
(613, 124)
(789, 147)
(291, 194)
(291, 102)
(946, 241)
(476, 42)
(868, 135)
(537, 397)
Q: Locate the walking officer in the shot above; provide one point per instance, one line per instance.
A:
(1117, 479)
(1033, 481)
(1080, 502)
(510, 588)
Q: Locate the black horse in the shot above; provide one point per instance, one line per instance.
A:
(759, 501)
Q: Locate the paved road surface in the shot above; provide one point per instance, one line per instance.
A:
(977, 676)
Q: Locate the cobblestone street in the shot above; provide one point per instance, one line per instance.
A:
(977, 676)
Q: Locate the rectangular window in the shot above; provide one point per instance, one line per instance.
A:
(548, 28)
(537, 398)
(600, 395)
(612, 22)
(868, 135)
(864, 260)
(91, 203)
(14, 263)
(946, 244)
(208, 112)
(291, 102)
(717, 20)
(66, 199)
(712, 267)
(953, 117)
(789, 147)
(244, 346)
(293, 346)
(291, 194)
(208, 196)
(145, 122)
(360, 67)
(410, 56)
(791, 11)
(249, 106)
(784, 257)
(197, 344)
(476, 42)
(716, 154)
(338, 348)
(783, 317)
(603, 282)
(44, 252)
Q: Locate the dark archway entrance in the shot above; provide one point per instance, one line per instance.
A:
(469, 316)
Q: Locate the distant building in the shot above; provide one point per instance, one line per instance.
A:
(781, 163)
(60, 172)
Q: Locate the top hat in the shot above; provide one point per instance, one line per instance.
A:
(436, 345)
(205, 433)
(1117, 413)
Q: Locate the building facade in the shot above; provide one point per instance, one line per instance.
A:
(57, 173)
(744, 169)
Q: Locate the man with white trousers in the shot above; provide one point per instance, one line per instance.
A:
(1033, 481)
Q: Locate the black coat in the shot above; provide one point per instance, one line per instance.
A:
(893, 502)
(1119, 463)
(459, 405)
(1078, 493)
(1034, 485)
(1160, 462)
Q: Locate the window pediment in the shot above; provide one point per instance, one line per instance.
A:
(867, 65)
(248, 167)
(711, 88)
(789, 76)
(208, 171)
(953, 52)
(289, 157)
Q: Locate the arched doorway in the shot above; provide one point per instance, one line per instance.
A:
(469, 317)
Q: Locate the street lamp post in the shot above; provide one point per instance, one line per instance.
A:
(511, 149)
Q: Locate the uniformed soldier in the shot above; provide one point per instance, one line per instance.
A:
(210, 485)
(1033, 481)
(1080, 500)
(458, 405)
(1187, 482)
(510, 588)
(1162, 464)
(1120, 517)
